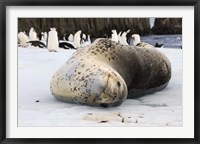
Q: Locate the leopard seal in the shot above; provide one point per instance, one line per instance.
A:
(105, 73)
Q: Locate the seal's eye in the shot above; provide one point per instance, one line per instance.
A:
(118, 83)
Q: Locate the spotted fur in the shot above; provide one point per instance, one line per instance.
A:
(105, 73)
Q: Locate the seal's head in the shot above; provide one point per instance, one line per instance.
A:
(113, 90)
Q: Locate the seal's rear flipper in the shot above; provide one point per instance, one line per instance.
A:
(136, 93)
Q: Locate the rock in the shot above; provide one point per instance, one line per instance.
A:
(167, 26)
(96, 27)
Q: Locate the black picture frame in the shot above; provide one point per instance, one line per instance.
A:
(5, 3)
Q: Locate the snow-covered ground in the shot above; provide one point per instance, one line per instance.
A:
(37, 107)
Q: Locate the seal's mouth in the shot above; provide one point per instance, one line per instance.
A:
(107, 100)
(105, 105)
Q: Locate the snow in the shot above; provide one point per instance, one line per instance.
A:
(37, 107)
